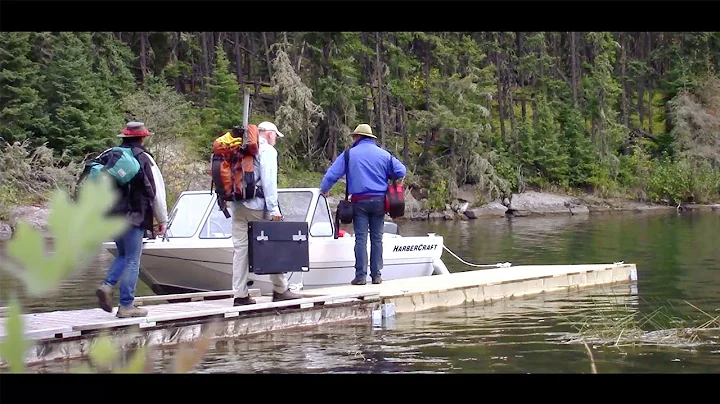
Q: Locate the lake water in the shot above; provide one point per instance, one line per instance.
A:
(620, 328)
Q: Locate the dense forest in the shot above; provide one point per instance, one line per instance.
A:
(628, 114)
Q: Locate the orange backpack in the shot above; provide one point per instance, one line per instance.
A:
(233, 165)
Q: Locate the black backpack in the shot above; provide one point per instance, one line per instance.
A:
(345, 213)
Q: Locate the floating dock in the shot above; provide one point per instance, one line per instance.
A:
(60, 335)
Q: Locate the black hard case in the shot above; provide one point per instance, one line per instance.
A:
(278, 246)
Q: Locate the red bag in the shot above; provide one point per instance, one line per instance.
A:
(395, 196)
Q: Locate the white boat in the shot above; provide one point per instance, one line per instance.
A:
(196, 253)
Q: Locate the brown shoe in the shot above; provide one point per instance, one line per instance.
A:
(104, 294)
(243, 301)
(132, 311)
(358, 281)
(286, 295)
(376, 279)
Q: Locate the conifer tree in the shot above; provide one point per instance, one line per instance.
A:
(225, 106)
(22, 110)
(81, 119)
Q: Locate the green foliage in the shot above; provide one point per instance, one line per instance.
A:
(84, 115)
(103, 353)
(72, 90)
(582, 156)
(225, 105)
(22, 110)
(684, 180)
(438, 195)
(75, 231)
(28, 175)
(14, 346)
(111, 60)
(696, 132)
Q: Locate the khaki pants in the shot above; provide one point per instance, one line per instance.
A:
(241, 266)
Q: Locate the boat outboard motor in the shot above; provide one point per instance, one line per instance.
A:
(391, 227)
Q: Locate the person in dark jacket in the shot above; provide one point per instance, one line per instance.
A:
(142, 201)
(368, 173)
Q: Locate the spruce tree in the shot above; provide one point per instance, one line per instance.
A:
(83, 118)
(22, 114)
(225, 106)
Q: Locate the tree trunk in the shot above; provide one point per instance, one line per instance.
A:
(205, 65)
(269, 68)
(573, 68)
(239, 64)
(267, 56)
(428, 137)
(247, 60)
(380, 94)
(404, 131)
(143, 56)
(511, 109)
(368, 78)
(641, 83)
(332, 125)
(253, 75)
(501, 104)
(210, 37)
(648, 56)
(623, 79)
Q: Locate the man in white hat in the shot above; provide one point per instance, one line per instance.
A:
(367, 175)
(140, 202)
(258, 208)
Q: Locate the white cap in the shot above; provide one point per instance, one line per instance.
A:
(270, 126)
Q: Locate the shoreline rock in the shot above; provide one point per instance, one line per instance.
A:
(533, 203)
(526, 204)
(36, 216)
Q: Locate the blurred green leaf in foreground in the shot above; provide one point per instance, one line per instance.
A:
(77, 229)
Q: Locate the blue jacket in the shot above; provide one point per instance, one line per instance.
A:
(370, 169)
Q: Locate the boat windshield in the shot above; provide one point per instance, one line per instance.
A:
(187, 214)
(294, 206)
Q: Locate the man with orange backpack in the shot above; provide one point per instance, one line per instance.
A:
(259, 202)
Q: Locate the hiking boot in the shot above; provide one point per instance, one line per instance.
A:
(286, 295)
(104, 294)
(376, 279)
(132, 311)
(243, 301)
(358, 281)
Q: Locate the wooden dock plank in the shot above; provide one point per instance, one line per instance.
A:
(57, 322)
(254, 307)
(47, 332)
(457, 280)
(197, 296)
(396, 296)
(110, 323)
(73, 321)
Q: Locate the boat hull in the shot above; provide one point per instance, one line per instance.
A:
(192, 265)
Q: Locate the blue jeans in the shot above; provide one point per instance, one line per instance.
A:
(126, 266)
(368, 214)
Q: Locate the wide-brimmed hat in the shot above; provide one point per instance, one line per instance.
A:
(364, 130)
(270, 126)
(135, 129)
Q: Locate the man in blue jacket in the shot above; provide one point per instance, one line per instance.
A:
(369, 169)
